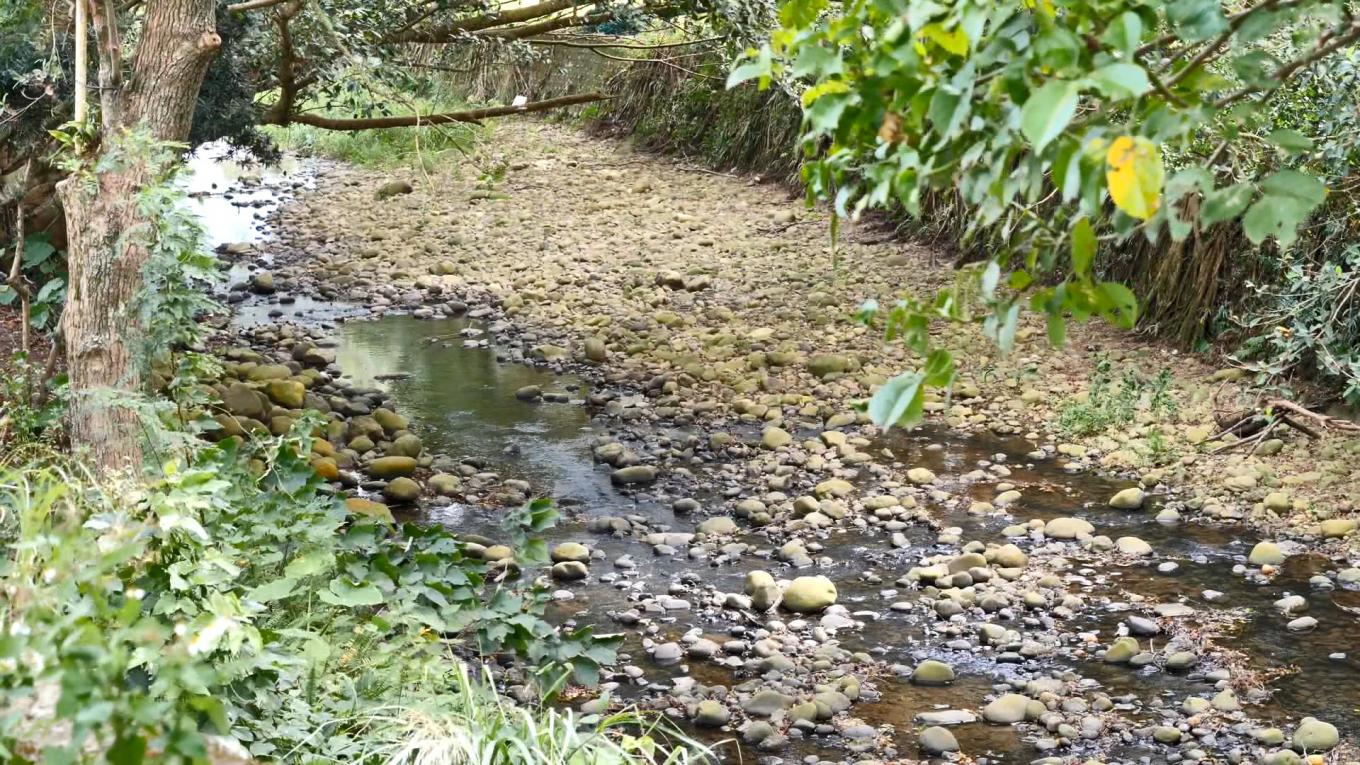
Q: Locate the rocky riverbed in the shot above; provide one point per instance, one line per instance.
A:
(669, 353)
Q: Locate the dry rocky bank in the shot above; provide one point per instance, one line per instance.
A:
(719, 306)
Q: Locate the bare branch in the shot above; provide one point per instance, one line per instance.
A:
(424, 120)
(450, 31)
(630, 46)
(252, 5)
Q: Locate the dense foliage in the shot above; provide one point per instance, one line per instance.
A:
(1068, 128)
(231, 602)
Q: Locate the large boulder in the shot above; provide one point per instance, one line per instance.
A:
(1265, 554)
(391, 467)
(1131, 498)
(402, 490)
(1314, 735)
(762, 590)
(1067, 528)
(809, 594)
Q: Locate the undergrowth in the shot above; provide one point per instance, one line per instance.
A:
(425, 147)
(1111, 402)
(226, 606)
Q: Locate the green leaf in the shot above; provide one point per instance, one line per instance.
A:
(800, 13)
(1047, 111)
(1010, 323)
(308, 565)
(1292, 184)
(760, 67)
(1121, 80)
(1225, 203)
(1196, 19)
(939, 369)
(1057, 330)
(270, 591)
(1083, 247)
(1125, 33)
(350, 594)
(1290, 141)
(1117, 304)
(899, 401)
(991, 276)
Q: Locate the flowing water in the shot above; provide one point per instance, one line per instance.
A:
(446, 377)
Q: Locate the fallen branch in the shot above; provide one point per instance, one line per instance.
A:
(251, 5)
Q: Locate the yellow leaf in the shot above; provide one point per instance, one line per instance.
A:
(1044, 7)
(953, 40)
(1134, 174)
(824, 88)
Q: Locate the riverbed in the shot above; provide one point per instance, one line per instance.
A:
(456, 375)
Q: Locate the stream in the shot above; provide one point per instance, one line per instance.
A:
(458, 389)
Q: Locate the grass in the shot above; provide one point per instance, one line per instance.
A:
(1109, 402)
(474, 725)
(419, 147)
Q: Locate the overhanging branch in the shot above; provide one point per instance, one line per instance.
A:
(424, 120)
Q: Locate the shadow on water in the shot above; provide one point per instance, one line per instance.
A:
(464, 402)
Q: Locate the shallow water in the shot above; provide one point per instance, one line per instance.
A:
(461, 400)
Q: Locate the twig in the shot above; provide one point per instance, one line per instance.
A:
(16, 279)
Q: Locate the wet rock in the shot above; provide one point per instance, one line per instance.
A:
(1067, 528)
(391, 467)
(529, 393)
(1128, 499)
(809, 594)
(931, 672)
(633, 474)
(711, 714)
(402, 490)
(570, 551)
(762, 590)
(1266, 554)
(938, 740)
(1006, 709)
(1314, 735)
(570, 571)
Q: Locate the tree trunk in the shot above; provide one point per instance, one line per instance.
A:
(101, 322)
(105, 231)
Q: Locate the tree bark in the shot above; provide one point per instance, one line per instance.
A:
(105, 230)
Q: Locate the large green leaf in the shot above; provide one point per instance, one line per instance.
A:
(1121, 80)
(899, 401)
(1047, 111)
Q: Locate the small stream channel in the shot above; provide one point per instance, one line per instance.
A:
(446, 377)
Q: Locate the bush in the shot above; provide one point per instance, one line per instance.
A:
(143, 618)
